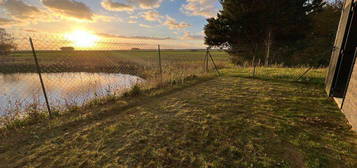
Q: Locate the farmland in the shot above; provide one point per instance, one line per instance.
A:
(130, 62)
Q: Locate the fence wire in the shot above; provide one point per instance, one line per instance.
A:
(75, 71)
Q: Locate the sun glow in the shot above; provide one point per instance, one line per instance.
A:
(82, 38)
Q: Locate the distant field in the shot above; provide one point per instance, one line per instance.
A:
(132, 62)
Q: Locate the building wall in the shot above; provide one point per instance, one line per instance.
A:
(350, 105)
(339, 42)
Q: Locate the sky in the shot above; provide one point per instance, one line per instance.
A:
(131, 23)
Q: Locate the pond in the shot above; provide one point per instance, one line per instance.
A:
(18, 91)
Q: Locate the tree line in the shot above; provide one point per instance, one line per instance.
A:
(289, 32)
(7, 43)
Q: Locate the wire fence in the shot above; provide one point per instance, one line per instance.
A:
(302, 74)
(75, 71)
(71, 72)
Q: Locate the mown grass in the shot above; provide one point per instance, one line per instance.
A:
(229, 121)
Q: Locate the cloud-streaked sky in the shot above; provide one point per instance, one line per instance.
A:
(176, 23)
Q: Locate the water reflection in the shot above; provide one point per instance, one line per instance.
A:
(18, 91)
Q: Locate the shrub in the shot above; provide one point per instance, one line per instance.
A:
(134, 91)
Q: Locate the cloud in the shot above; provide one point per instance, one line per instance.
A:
(173, 24)
(20, 10)
(151, 16)
(146, 4)
(189, 36)
(30, 30)
(5, 21)
(116, 6)
(133, 17)
(70, 8)
(133, 37)
(130, 5)
(105, 18)
(205, 8)
(145, 26)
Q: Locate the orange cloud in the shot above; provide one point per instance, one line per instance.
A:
(116, 6)
(151, 15)
(130, 5)
(173, 24)
(189, 36)
(146, 4)
(5, 22)
(20, 10)
(70, 8)
(205, 8)
(133, 37)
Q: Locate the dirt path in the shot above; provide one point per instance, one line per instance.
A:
(224, 122)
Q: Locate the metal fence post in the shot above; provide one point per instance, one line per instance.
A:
(206, 60)
(40, 76)
(302, 75)
(160, 65)
(214, 64)
(254, 69)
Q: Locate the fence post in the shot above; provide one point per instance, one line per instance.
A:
(38, 68)
(160, 65)
(206, 60)
(254, 69)
(214, 64)
(302, 75)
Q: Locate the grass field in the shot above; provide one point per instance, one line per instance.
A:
(227, 121)
(132, 62)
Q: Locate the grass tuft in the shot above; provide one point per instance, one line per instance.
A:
(133, 92)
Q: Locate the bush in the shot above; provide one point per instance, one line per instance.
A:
(134, 91)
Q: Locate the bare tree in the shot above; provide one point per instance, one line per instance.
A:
(6, 42)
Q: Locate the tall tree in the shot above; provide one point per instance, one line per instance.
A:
(249, 27)
(319, 42)
(6, 42)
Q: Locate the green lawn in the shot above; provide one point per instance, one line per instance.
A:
(228, 121)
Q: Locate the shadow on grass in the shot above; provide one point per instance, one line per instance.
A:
(42, 130)
(282, 79)
(225, 122)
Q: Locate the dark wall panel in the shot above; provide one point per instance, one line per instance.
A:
(339, 42)
(350, 104)
(346, 58)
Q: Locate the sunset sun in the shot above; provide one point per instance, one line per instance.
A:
(82, 38)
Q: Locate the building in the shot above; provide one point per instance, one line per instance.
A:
(67, 48)
(341, 81)
(135, 49)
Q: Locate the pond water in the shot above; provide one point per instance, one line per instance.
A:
(20, 90)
